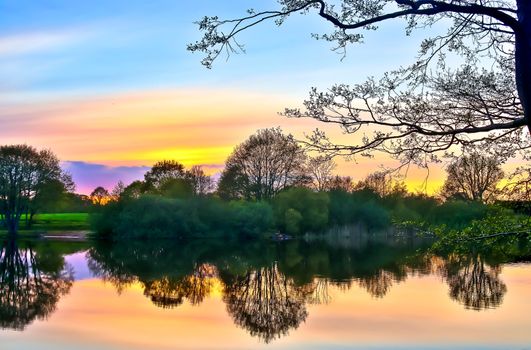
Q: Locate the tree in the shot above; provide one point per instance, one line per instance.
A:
(100, 196)
(134, 190)
(24, 172)
(49, 195)
(233, 184)
(473, 283)
(266, 163)
(340, 183)
(163, 171)
(413, 113)
(320, 169)
(118, 190)
(201, 182)
(168, 292)
(381, 183)
(473, 177)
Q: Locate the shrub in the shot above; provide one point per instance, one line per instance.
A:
(251, 218)
(312, 206)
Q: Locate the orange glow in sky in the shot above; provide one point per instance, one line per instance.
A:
(193, 126)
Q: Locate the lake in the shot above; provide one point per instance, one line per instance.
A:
(355, 292)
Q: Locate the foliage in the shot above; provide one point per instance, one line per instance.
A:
(301, 210)
(163, 171)
(251, 218)
(500, 232)
(361, 206)
(152, 216)
(27, 178)
(100, 196)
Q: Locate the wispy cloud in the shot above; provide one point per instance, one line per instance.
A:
(32, 42)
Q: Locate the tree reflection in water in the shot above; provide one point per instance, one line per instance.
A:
(29, 289)
(168, 292)
(475, 284)
(267, 286)
(266, 303)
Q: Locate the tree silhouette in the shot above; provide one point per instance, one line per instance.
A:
(482, 100)
(162, 172)
(378, 285)
(27, 292)
(473, 283)
(100, 196)
(265, 163)
(474, 177)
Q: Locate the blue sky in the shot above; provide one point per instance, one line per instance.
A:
(102, 46)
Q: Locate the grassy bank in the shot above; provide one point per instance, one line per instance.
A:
(57, 223)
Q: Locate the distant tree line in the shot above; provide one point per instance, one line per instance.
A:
(269, 183)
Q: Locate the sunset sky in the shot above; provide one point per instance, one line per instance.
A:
(110, 87)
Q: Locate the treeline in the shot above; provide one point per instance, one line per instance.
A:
(295, 211)
(269, 185)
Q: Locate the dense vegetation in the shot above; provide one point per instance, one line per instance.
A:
(270, 186)
(295, 211)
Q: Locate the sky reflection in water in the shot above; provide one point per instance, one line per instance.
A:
(357, 293)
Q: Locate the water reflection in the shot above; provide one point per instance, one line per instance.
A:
(31, 284)
(265, 302)
(267, 286)
(473, 283)
(168, 292)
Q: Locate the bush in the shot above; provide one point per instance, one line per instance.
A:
(458, 214)
(251, 218)
(157, 217)
(292, 221)
(311, 206)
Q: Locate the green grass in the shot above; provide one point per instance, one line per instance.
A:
(55, 222)
(61, 221)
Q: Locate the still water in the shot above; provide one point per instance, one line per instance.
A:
(357, 292)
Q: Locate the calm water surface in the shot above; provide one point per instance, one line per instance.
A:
(357, 292)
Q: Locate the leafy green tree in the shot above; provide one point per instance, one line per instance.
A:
(233, 184)
(134, 190)
(24, 175)
(50, 196)
(163, 171)
(177, 188)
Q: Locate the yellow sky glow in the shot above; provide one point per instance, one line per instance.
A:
(193, 126)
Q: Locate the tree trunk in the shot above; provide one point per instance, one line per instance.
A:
(12, 226)
(523, 58)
